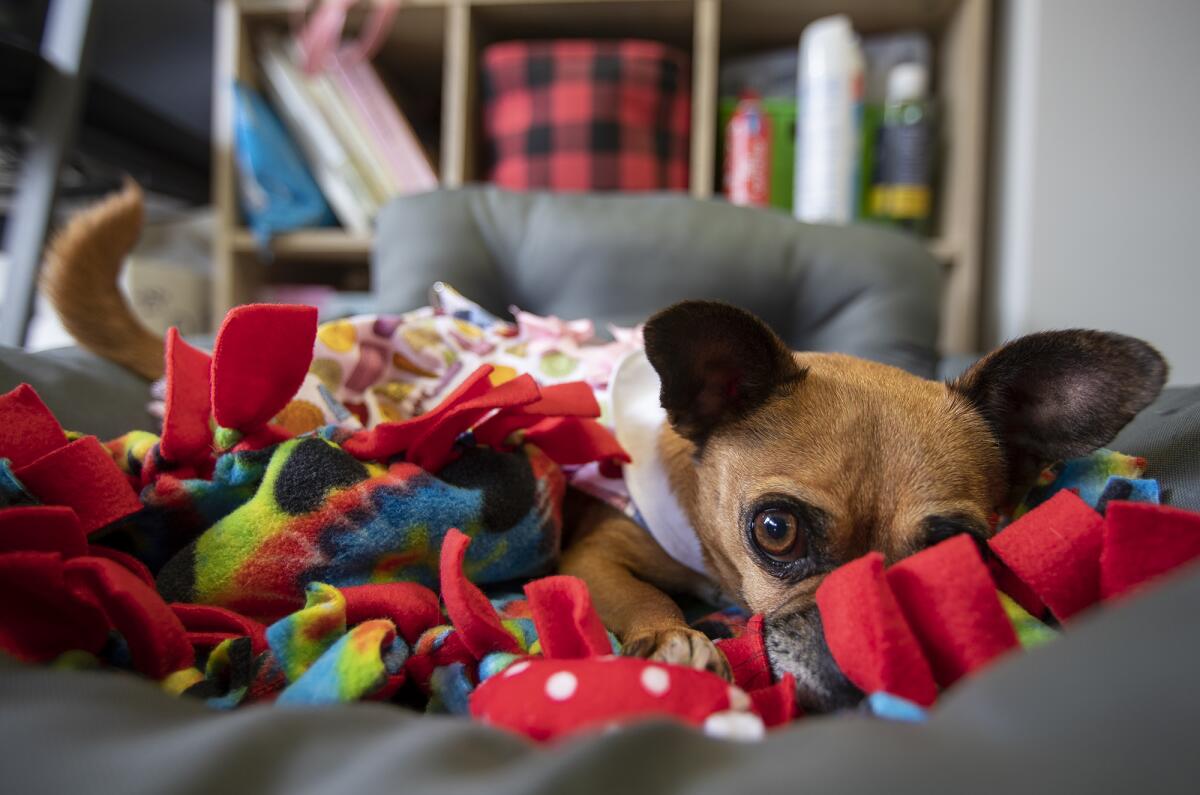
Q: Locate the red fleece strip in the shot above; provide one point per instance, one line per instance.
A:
(266, 436)
(469, 610)
(82, 476)
(157, 640)
(208, 625)
(412, 608)
(135, 566)
(747, 656)
(1143, 542)
(392, 438)
(567, 624)
(776, 705)
(1012, 585)
(573, 399)
(260, 359)
(28, 430)
(39, 617)
(186, 433)
(1055, 550)
(570, 441)
(950, 602)
(435, 447)
(868, 635)
(42, 528)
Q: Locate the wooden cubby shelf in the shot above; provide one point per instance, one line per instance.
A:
(308, 244)
(431, 60)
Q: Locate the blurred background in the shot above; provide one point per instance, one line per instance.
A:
(1043, 151)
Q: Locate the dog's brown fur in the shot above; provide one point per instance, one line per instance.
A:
(80, 279)
(865, 456)
(878, 450)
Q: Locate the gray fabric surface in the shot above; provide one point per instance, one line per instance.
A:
(617, 259)
(1167, 434)
(1110, 707)
(86, 393)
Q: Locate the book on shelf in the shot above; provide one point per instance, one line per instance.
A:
(365, 160)
(358, 143)
(338, 178)
(383, 124)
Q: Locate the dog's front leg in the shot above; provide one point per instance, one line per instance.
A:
(626, 572)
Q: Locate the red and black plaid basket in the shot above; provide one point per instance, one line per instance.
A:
(587, 115)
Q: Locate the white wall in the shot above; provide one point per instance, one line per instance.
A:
(1096, 215)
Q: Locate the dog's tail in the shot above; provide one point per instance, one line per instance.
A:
(80, 275)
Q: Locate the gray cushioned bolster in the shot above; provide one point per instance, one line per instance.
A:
(1167, 434)
(619, 258)
(86, 393)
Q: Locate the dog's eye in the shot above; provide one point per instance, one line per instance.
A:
(778, 534)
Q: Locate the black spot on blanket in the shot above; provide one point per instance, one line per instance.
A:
(240, 670)
(177, 580)
(506, 480)
(313, 468)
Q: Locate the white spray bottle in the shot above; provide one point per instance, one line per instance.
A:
(830, 90)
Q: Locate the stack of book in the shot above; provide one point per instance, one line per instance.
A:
(359, 146)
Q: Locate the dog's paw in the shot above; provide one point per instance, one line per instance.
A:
(679, 646)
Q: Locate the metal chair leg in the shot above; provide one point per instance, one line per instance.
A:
(52, 123)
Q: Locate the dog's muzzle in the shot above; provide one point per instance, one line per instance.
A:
(796, 645)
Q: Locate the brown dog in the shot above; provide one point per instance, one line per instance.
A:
(785, 464)
(790, 464)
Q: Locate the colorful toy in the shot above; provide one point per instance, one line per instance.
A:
(577, 682)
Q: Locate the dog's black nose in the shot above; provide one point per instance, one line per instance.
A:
(796, 645)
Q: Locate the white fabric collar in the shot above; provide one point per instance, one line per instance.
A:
(638, 418)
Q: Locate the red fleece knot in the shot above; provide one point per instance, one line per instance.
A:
(469, 610)
(947, 595)
(567, 624)
(390, 439)
(747, 656)
(868, 635)
(1142, 542)
(557, 419)
(187, 434)
(83, 477)
(936, 614)
(1054, 550)
(260, 358)
(29, 430)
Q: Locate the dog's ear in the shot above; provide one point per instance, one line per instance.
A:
(717, 363)
(1061, 394)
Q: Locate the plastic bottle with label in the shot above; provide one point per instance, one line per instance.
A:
(903, 194)
(748, 154)
(829, 93)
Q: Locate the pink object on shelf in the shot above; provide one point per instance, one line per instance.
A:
(348, 66)
(388, 132)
